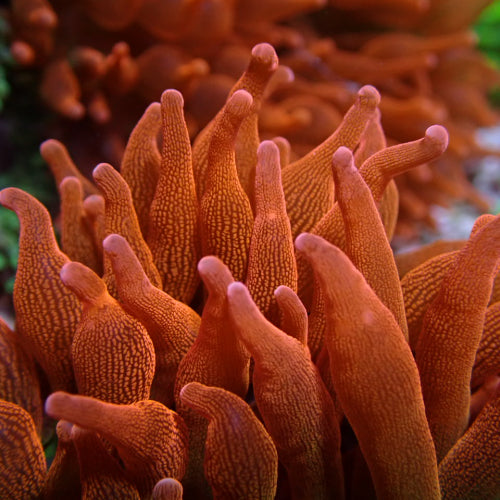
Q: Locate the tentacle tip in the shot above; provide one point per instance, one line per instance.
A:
(9, 197)
(208, 264)
(237, 291)
(64, 430)
(5, 196)
(305, 242)
(287, 74)
(170, 485)
(369, 95)
(172, 97)
(189, 391)
(74, 110)
(70, 182)
(154, 109)
(68, 270)
(343, 158)
(239, 103)
(100, 171)
(50, 146)
(43, 17)
(282, 290)
(94, 203)
(266, 54)
(55, 402)
(114, 243)
(438, 135)
(268, 150)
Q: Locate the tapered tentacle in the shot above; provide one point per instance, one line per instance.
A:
(451, 332)
(240, 457)
(22, 462)
(367, 348)
(172, 325)
(113, 356)
(295, 405)
(150, 439)
(173, 216)
(271, 260)
(46, 312)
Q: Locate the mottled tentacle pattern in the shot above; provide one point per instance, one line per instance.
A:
(287, 383)
(121, 366)
(46, 311)
(173, 214)
(271, 260)
(451, 332)
(171, 324)
(240, 457)
(368, 349)
(150, 439)
(141, 163)
(22, 462)
(226, 218)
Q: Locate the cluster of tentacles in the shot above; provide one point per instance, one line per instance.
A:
(107, 60)
(224, 321)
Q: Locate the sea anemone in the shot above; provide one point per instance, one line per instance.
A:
(294, 370)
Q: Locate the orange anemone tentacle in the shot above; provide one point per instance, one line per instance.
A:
(226, 218)
(46, 312)
(120, 218)
(173, 215)
(295, 405)
(150, 439)
(308, 182)
(271, 259)
(172, 325)
(216, 358)
(63, 476)
(367, 245)
(167, 489)
(101, 474)
(19, 382)
(292, 313)
(113, 356)
(451, 332)
(22, 461)
(240, 457)
(471, 469)
(262, 65)
(487, 360)
(61, 165)
(77, 240)
(141, 163)
(367, 348)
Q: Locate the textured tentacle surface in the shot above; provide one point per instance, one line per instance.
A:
(150, 439)
(113, 356)
(121, 218)
(471, 469)
(226, 217)
(451, 332)
(22, 462)
(173, 216)
(367, 245)
(141, 163)
(46, 312)
(294, 404)
(271, 260)
(367, 350)
(216, 358)
(240, 457)
(172, 325)
(308, 182)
